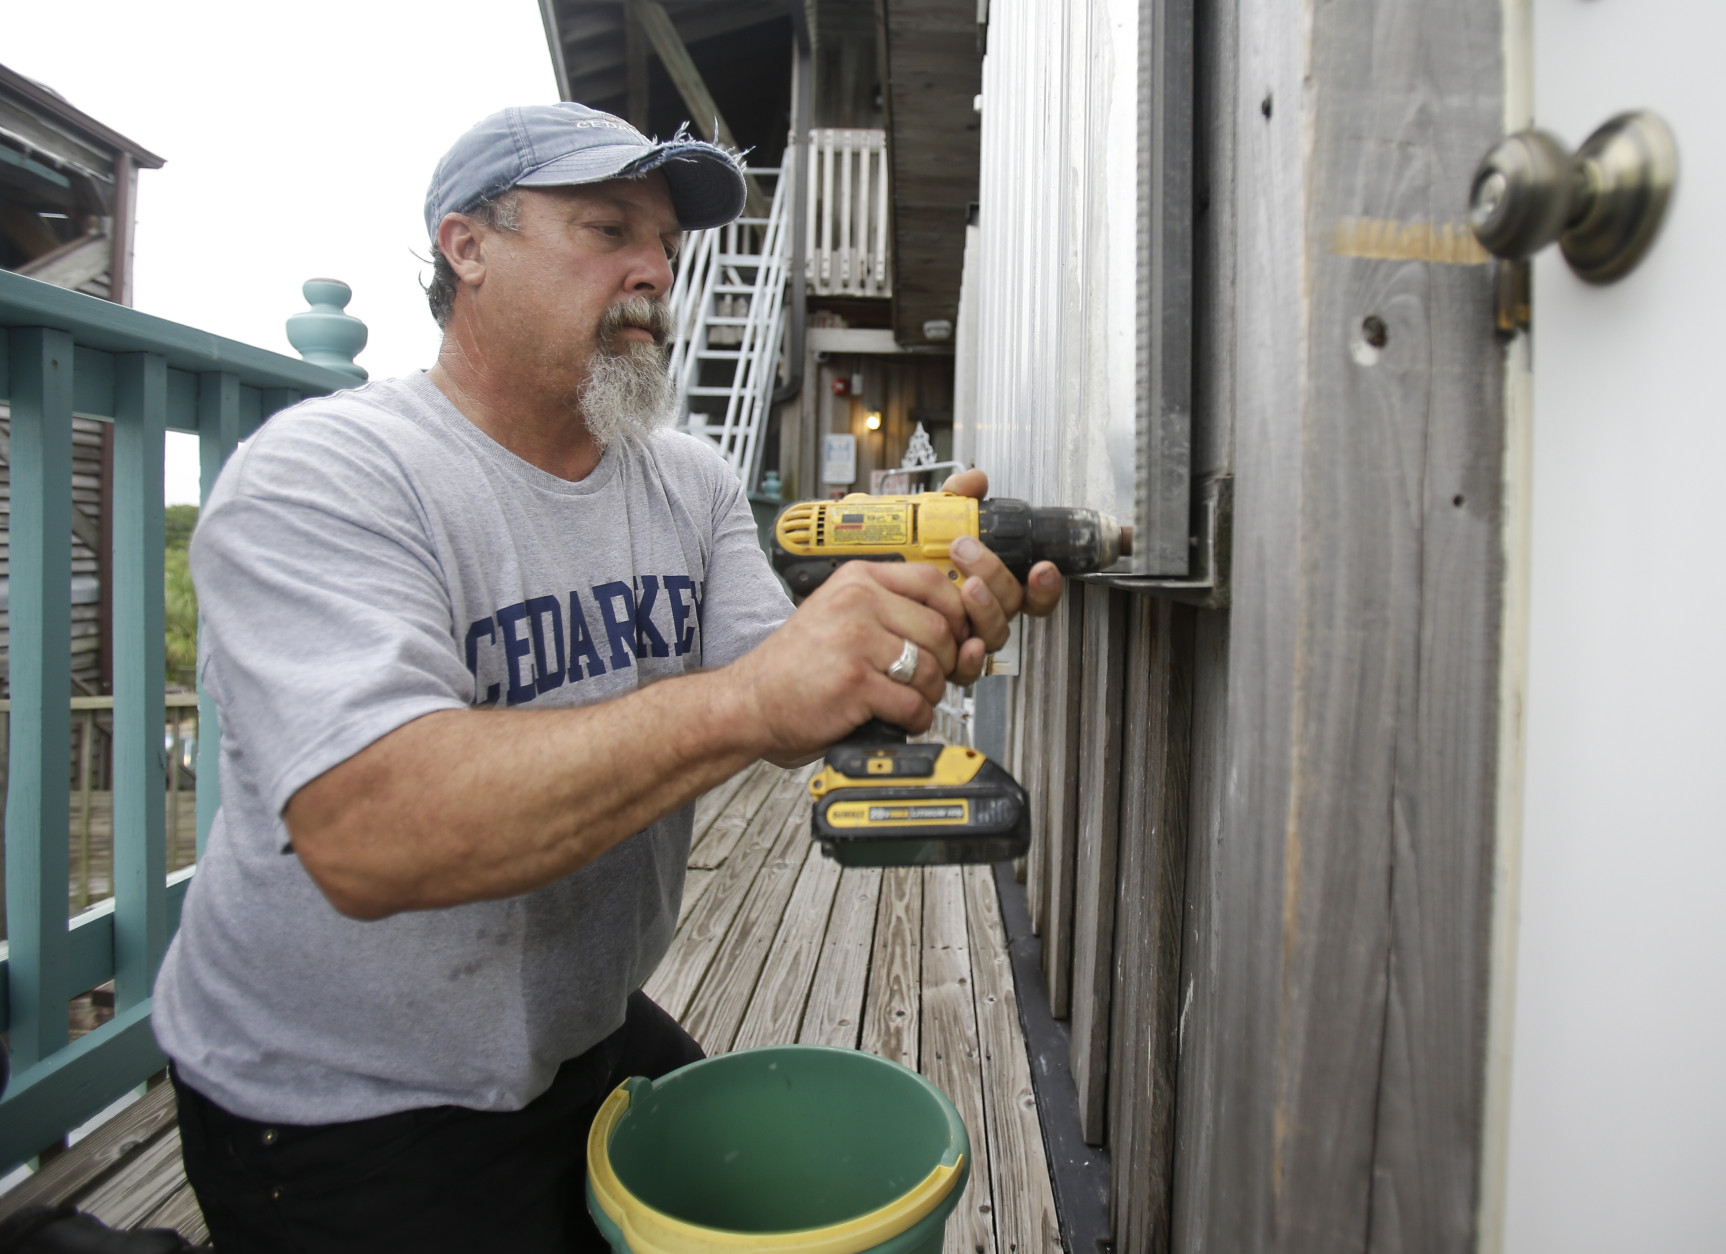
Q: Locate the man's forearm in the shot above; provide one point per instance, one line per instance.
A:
(470, 805)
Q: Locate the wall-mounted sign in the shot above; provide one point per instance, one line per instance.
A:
(839, 459)
(889, 482)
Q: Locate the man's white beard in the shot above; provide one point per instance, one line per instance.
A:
(627, 393)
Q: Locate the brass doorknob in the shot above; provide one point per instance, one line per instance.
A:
(1603, 205)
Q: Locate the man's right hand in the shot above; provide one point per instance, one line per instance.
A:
(824, 671)
(412, 822)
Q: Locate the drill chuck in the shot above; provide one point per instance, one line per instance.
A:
(1077, 541)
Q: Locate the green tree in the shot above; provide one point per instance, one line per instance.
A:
(181, 619)
(177, 524)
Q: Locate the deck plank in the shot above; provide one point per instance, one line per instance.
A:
(834, 1015)
(727, 828)
(775, 1013)
(1025, 1219)
(951, 1057)
(773, 943)
(90, 1160)
(696, 882)
(891, 1008)
(180, 831)
(685, 964)
(719, 1006)
(181, 1213)
(712, 803)
(148, 1178)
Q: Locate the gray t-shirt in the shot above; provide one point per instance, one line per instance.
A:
(371, 557)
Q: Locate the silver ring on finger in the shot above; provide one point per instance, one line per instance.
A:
(904, 668)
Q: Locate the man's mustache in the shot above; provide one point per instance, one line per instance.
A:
(652, 316)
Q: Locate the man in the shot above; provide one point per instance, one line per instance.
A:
(479, 637)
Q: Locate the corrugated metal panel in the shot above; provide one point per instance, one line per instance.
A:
(1081, 279)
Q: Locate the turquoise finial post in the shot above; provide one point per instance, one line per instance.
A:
(325, 335)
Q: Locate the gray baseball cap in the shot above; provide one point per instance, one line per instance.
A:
(567, 144)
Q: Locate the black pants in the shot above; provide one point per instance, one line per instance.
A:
(422, 1181)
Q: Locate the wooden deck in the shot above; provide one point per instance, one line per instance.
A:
(127, 1173)
(90, 860)
(775, 944)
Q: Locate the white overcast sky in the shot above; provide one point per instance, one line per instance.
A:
(299, 141)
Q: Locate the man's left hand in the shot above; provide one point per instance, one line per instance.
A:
(990, 593)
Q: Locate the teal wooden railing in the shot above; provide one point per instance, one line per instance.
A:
(64, 354)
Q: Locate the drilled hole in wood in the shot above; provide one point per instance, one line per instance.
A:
(1376, 333)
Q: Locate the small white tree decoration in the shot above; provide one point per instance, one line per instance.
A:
(920, 452)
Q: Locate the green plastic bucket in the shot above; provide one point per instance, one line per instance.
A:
(792, 1149)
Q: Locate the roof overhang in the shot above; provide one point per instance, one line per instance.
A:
(934, 71)
(53, 107)
(589, 39)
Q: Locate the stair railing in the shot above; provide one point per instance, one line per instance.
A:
(728, 308)
(848, 237)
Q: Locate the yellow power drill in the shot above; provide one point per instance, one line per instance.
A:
(880, 801)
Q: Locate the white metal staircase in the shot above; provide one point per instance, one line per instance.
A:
(728, 304)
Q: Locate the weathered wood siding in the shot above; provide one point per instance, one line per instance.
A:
(1104, 667)
(1340, 940)
(1161, 663)
(1063, 750)
(1294, 895)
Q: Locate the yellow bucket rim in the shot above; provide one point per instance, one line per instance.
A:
(651, 1231)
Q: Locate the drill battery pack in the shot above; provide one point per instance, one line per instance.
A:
(898, 804)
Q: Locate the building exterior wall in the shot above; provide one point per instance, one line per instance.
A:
(1265, 900)
(68, 218)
